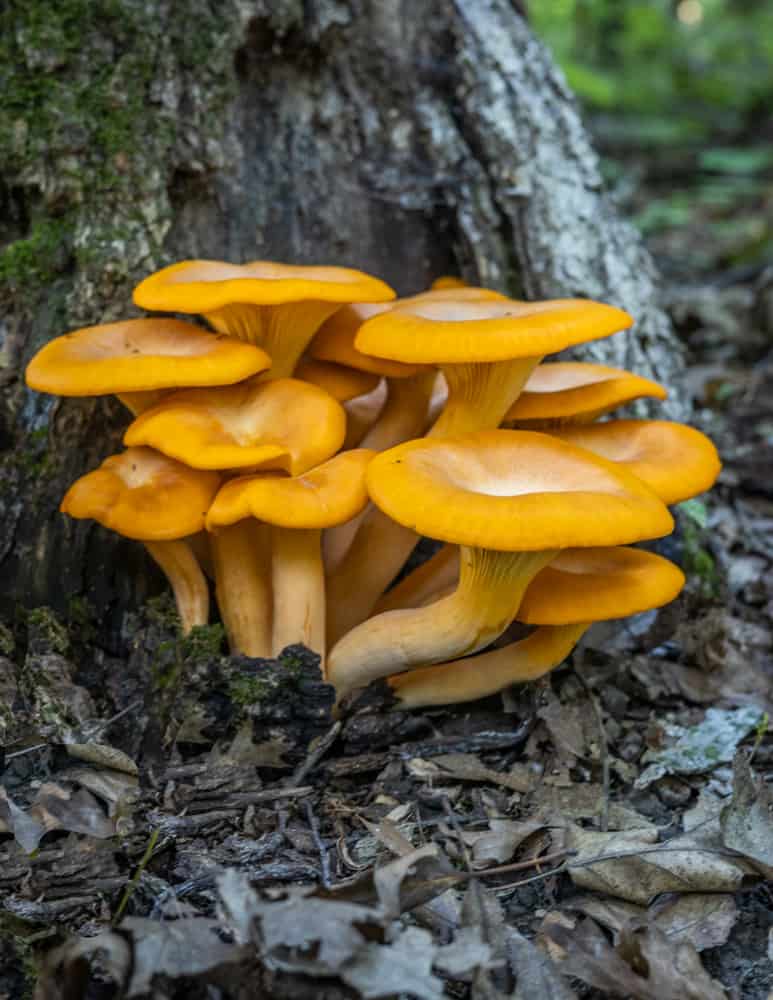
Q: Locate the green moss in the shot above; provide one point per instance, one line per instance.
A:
(698, 562)
(47, 630)
(7, 641)
(36, 258)
(246, 689)
(203, 643)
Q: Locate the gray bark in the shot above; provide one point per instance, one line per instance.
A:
(408, 139)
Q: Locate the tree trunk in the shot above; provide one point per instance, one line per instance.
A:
(408, 139)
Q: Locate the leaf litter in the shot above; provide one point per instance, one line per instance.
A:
(504, 849)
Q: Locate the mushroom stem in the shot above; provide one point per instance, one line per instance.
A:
(487, 673)
(188, 583)
(299, 589)
(241, 555)
(283, 331)
(433, 576)
(374, 558)
(403, 417)
(480, 394)
(491, 585)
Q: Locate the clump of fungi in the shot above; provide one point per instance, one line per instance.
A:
(297, 451)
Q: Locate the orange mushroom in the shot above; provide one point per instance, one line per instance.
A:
(579, 587)
(676, 461)
(511, 500)
(342, 382)
(136, 358)
(297, 509)
(285, 424)
(486, 347)
(576, 392)
(145, 495)
(279, 307)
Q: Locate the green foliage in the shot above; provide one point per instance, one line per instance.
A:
(639, 58)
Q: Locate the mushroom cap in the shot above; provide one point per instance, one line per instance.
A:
(574, 390)
(447, 281)
(334, 342)
(141, 354)
(591, 585)
(144, 495)
(201, 286)
(674, 460)
(285, 424)
(327, 495)
(457, 330)
(513, 491)
(342, 382)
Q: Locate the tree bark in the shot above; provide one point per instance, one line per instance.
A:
(408, 139)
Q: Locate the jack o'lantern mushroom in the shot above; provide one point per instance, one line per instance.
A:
(486, 348)
(137, 359)
(341, 381)
(277, 306)
(285, 425)
(297, 509)
(676, 461)
(144, 495)
(574, 392)
(579, 587)
(511, 500)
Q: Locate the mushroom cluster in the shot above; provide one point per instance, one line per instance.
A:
(295, 453)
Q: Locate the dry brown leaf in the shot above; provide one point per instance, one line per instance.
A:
(467, 767)
(644, 965)
(747, 821)
(703, 919)
(498, 844)
(642, 869)
(537, 977)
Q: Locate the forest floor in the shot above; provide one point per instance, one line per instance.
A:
(199, 822)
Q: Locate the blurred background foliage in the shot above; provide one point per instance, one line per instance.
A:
(679, 94)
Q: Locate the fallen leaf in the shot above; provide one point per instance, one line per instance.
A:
(703, 919)
(642, 870)
(58, 808)
(398, 968)
(298, 933)
(498, 844)
(700, 748)
(644, 965)
(747, 821)
(27, 830)
(467, 767)
(467, 952)
(537, 977)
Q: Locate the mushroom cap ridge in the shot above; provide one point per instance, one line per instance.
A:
(513, 491)
(459, 331)
(326, 495)
(199, 286)
(597, 584)
(142, 494)
(676, 461)
(136, 355)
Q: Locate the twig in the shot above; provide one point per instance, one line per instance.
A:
(319, 750)
(129, 890)
(324, 860)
